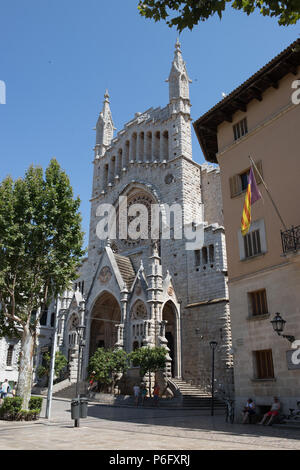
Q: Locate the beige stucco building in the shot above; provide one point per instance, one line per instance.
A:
(261, 118)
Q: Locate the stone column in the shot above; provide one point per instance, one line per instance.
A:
(124, 319)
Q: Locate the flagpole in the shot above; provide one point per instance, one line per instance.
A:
(269, 194)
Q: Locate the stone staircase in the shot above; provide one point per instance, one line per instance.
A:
(193, 397)
(69, 391)
(187, 396)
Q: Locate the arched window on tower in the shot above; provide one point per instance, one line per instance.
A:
(211, 253)
(133, 147)
(112, 170)
(165, 146)
(126, 159)
(105, 176)
(156, 150)
(149, 146)
(119, 162)
(204, 255)
(44, 315)
(141, 149)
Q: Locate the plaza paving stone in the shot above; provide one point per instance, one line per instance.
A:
(116, 428)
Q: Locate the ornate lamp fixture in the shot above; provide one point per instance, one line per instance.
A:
(278, 324)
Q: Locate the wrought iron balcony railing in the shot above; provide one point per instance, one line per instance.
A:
(291, 239)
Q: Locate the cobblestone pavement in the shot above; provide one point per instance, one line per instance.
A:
(113, 428)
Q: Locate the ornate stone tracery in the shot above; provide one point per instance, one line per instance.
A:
(139, 311)
(138, 197)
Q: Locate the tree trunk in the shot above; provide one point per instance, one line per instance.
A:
(26, 366)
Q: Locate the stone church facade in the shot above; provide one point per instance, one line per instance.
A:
(136, 292)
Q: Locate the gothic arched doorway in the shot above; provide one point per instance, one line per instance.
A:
(169, 314)
(106, 315)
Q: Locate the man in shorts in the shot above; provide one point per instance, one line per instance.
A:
(5, 388)
(274, 411)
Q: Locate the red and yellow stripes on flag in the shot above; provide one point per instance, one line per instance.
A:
(246, 216)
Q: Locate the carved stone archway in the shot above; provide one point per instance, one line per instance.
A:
(105, 318)
(170, 316)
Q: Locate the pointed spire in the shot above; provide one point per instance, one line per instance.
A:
(106, 96)
(105, 126)
(178, 78)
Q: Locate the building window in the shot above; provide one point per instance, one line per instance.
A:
(204, 255)
(238, 183)
(264, 364)
(252, 244)
(43, 319)
(244, 179)
(211, 253)
(9, 357)
(240, 129)
(258, 300)
(197, 257)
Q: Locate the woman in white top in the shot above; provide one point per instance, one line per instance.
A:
(249, 410)
(274, 411)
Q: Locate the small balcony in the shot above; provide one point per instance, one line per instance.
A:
(290, 240)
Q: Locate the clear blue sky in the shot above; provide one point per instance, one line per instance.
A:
(57, 58)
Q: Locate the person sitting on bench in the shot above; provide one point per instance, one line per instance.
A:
(249, 410)
(274, 411)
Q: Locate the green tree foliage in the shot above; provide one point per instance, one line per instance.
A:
(60, 364)
(106, 364)
(40, 251)
(149, 360)
(187, 13)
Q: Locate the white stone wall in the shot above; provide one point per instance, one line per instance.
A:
(9, 372)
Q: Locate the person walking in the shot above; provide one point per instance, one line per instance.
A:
(136, 393)
(156, 391)
(5, 388)
(143, 393)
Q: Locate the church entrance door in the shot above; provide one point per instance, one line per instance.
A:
(106, 315)
(169, 314)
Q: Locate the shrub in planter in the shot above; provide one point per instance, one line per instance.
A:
(11, 408)
(35, 403)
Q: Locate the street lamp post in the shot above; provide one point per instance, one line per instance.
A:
(213, 345)
(81, 343)
(278, 324)
(52, 362)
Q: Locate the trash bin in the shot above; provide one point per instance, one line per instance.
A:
(83, 407)
(75, 408)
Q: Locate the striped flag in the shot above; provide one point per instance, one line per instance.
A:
(252, 195)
